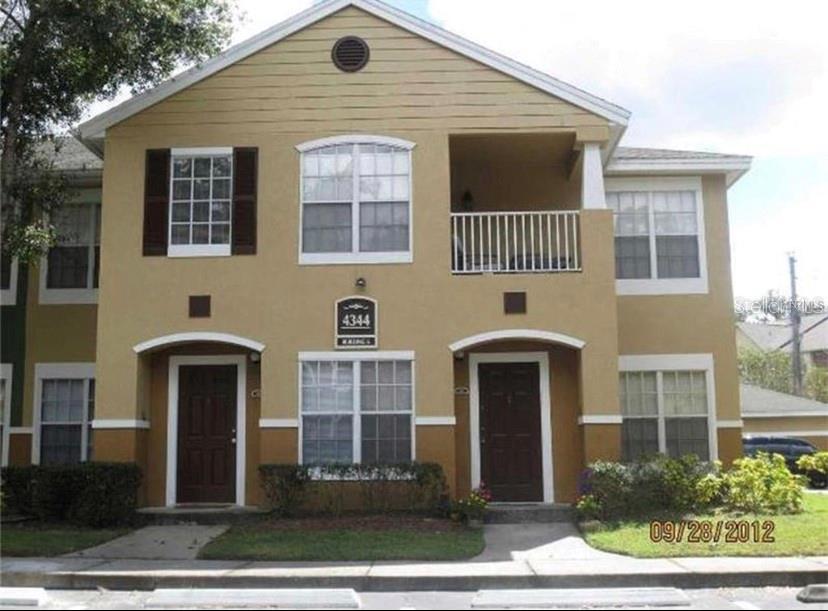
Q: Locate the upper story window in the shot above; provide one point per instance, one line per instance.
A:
(71, 269)
(659, 235)
(200, 202)
(356, 200)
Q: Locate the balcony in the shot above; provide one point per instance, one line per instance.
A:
(515, 242)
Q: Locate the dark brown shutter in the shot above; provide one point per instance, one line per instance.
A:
(245, 165)
(156, 202)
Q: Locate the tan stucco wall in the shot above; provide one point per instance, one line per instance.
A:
(56, 333)
(793, 427)
(676, 324)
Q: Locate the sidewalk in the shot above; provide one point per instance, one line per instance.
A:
(517, 556)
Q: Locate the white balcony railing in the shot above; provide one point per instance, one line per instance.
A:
(515, 242)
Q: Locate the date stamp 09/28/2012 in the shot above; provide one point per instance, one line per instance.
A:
(712, 531)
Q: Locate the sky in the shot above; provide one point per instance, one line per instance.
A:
(732, 77)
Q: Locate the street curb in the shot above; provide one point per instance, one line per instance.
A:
(221, 579)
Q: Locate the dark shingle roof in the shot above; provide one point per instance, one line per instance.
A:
(70, 155)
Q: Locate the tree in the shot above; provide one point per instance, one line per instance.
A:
(58, 56)
(816, 383)
(771, 370)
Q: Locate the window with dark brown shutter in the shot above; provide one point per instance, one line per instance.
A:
(245, 162)
(156, 202)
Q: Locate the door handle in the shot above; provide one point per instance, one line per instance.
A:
(233, 441)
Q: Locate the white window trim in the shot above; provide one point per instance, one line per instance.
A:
(678, 362)
(665, 286)
(198, 250)
(356, 413)
(175, 362)
(542, 359)
(48, 371)
(8, 297)
(355, 256)
(6, 374)
(49, 296)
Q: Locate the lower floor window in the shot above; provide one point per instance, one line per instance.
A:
(666, 412)
(357, 411)
(67, 408)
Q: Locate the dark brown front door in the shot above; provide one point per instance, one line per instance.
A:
(510, 431)
(206, 434)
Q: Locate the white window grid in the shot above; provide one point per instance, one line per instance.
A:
(355, 409)
(72, 231)
(211, 223)
(85, 422)
(661, 415)
(351, 163)
(644, 220)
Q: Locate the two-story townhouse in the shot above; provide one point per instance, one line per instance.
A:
(357, 237)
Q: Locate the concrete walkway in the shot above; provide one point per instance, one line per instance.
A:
(181, 542)
(517, 556)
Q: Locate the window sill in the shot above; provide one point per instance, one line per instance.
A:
(358, 258)
(67, 296)
(198, 250)
(663, 286)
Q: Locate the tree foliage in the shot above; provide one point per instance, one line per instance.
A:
(772, 370)
(58, 56)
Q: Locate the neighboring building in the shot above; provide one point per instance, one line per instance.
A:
(767, 412)
(778, 336)
(49, 318)
(502, 272)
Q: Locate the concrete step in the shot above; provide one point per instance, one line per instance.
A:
(522, 513)
(204, 514)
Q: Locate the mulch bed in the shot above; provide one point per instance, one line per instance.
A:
(377, 522)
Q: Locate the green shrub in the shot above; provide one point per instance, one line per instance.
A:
(763, 484)
(816, 462)
(472, 507)
(333, 489)
(88, 494)
(17, 489)
(647, 487)
(109, 494)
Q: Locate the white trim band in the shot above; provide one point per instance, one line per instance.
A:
(435, 421)
(198, 336)
(278, 423)
(120, 423)
(514, 334)
(311, 145)
(787, 415)
(729, 424)
(600, 419)
(815, 433)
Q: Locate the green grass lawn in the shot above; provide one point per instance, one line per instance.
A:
(269, 542)
(31, 539)
(803, 534)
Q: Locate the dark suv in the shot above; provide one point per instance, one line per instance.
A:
(789, 447)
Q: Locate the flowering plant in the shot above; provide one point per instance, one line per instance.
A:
(472, 507)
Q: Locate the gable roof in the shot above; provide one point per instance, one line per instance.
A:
(634, 160)
(763, 403)
(93, 131)
(777, 335)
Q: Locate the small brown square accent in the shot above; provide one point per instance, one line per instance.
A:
(514, 303)
(199, 306)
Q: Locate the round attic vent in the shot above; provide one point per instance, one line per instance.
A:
(350, 53)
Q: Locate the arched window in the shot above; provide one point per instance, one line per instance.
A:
(356, 200)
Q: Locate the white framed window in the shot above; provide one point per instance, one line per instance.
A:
(355, 200)
(8, 280)
(356, 408)
(200, 218)
(63, 412)
(69, 272)
(667, 405)
(659, 235)
(5, 411)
